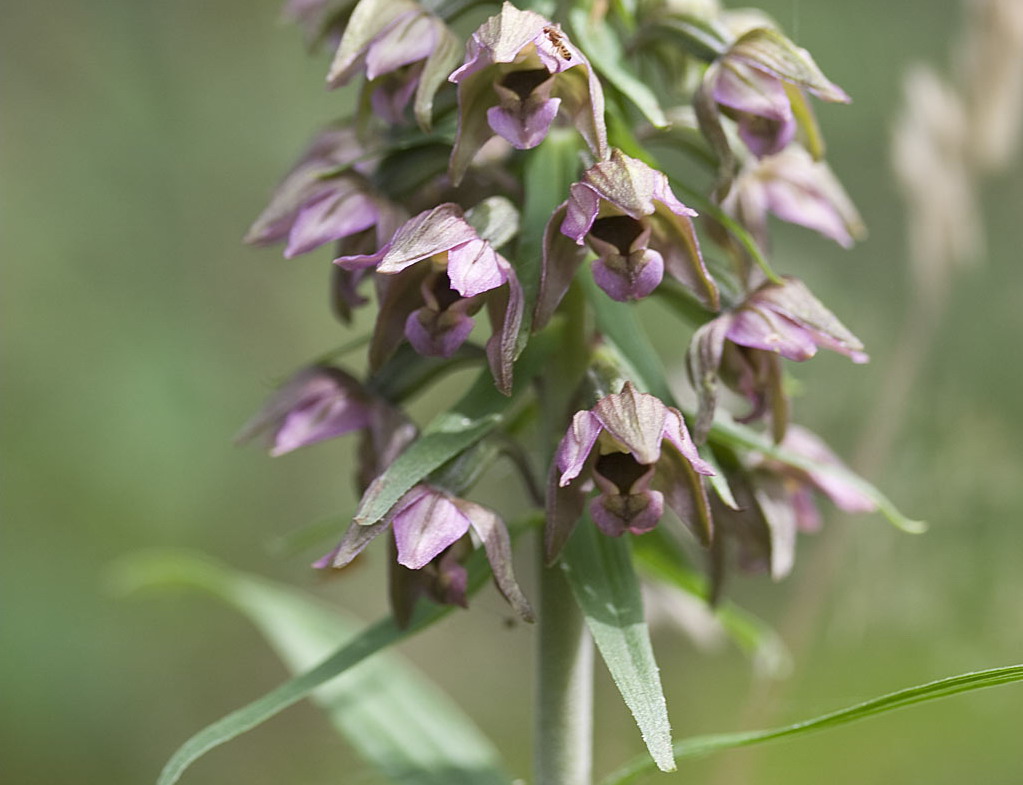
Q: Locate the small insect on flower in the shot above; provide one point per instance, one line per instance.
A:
(557, 41)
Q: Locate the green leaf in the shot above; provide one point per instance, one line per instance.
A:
(596, 38)
(396, 719)
(450, 433)
(618, 322)
(935, 690)
(145, 570)
(600, 572)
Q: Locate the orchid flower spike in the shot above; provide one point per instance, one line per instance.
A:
(437, 272)
(426, 522)
(520, 71)
(628, 215)
(639, 454)
(742, 346)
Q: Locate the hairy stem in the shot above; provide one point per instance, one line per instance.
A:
(564, 688)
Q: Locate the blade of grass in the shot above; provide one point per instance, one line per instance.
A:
(943, 688)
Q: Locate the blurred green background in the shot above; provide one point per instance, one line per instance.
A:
(138, 141)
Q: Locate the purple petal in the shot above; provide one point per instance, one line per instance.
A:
(426, 521)
(331, 217)
(583, 206)
(318, 421)
(763, 329)
(410, 38)
(430, 233)
(794, 301)
(752, 91)
(561, 260)
(473, 268)
(635, 420)
(317, 403)
(632, 278)
(576, 445)
(524, 129)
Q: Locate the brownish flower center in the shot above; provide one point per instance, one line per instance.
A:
(621, 469)
(523, 83)
(620, 231)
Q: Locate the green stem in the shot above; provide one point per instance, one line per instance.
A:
(563, 746)
(564, 699)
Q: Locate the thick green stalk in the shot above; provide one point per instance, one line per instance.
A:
(564, 689)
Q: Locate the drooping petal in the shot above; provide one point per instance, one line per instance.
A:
(776, 507)
(794, 301)
(703, 359)
(765, 135)
(561, 259)
(576, 445)
(317, 403)
(339, 213)
(330, 150)
(504, 308)
(497, 544)
(354, 542)
(804, 191)
(845, 495)
(685, 493)
(425, 521)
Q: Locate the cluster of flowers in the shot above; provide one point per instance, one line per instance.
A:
(421, 190)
